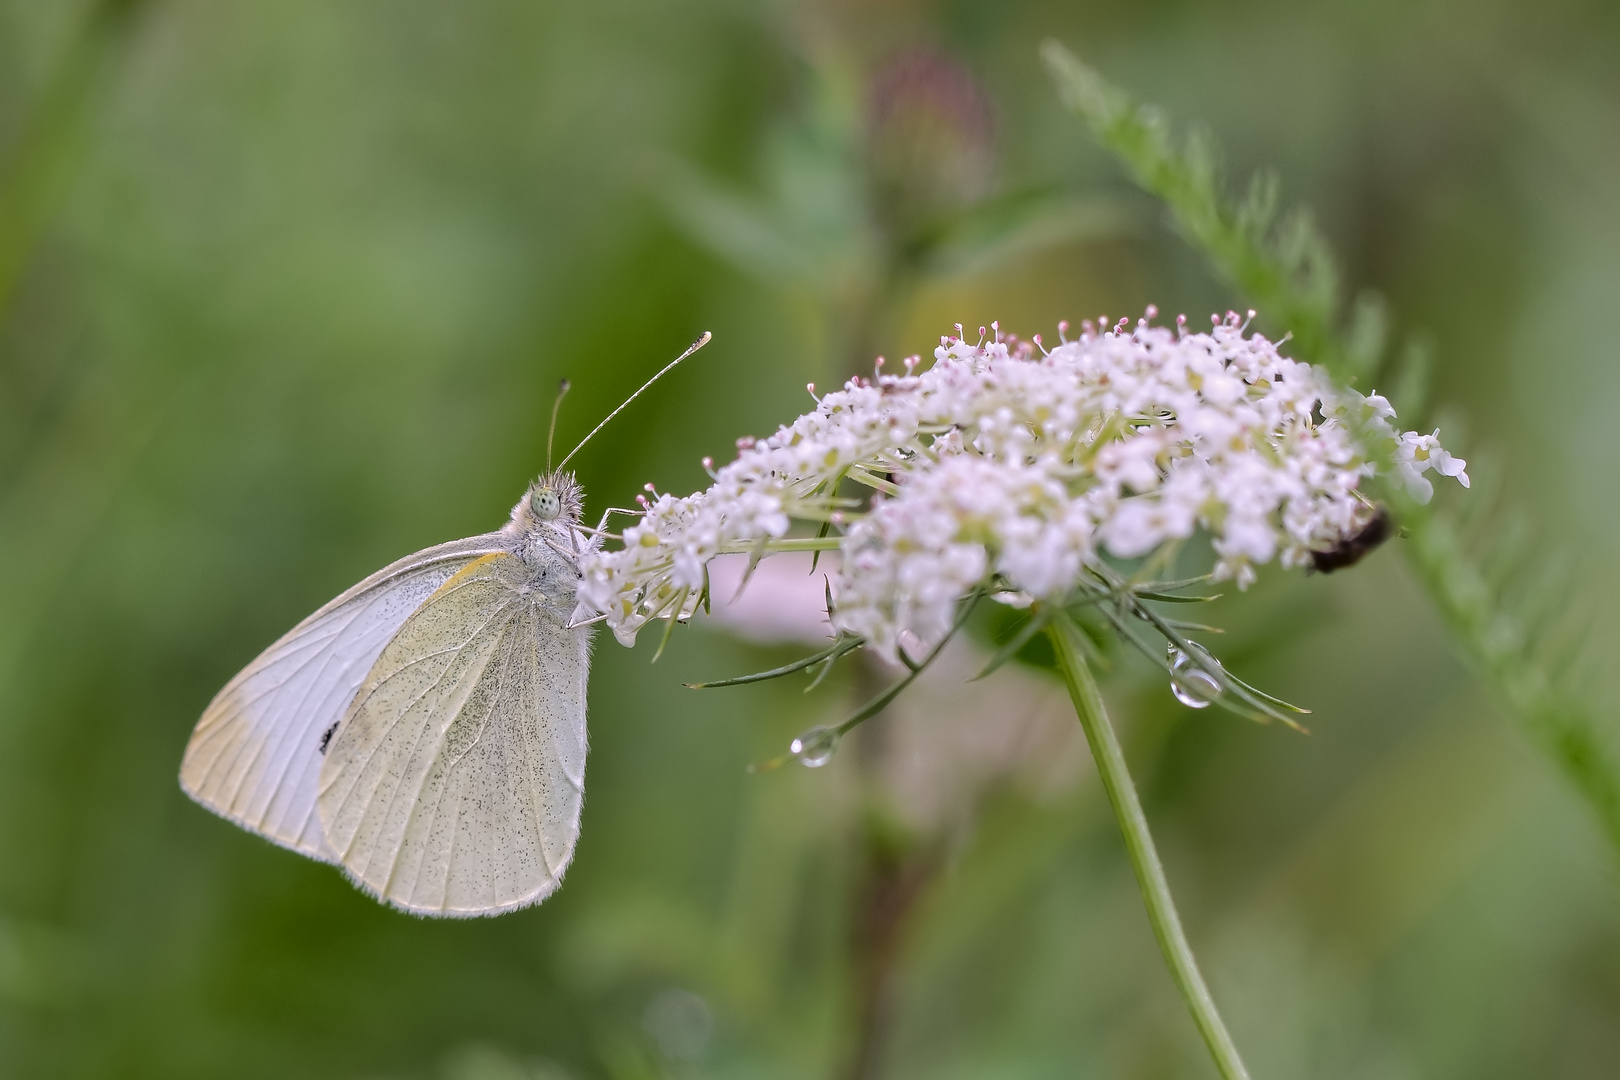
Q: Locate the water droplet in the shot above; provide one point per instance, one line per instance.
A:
(815, 747)
(1194, 686)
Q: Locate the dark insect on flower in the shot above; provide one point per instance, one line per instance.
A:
(1353, 549)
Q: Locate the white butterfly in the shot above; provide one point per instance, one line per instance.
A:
(426, 729)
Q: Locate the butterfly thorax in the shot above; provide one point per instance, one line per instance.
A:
(544, 532)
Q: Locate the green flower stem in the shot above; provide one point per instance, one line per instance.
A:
(1161, 909)
(776, 547)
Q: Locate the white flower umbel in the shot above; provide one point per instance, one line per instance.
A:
(1008, 468)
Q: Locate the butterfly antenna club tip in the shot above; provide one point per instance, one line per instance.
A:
(556, 405)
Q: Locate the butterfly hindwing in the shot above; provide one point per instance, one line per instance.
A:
(255, 756)
(453, 785)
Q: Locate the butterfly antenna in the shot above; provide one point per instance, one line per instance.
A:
(696, 345)
(562, 391)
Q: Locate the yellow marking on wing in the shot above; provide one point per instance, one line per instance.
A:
(459, 574)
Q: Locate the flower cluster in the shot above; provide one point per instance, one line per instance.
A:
(1005, 465)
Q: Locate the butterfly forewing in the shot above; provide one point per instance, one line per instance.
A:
(255, 756)
(453, 785)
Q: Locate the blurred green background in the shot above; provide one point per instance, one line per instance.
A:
(284, 293)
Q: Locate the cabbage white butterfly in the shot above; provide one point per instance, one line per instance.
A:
(425, 730)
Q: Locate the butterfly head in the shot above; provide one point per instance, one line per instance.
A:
(554, 499)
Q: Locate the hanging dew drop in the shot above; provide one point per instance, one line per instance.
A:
(1196, 689)
(1192, 685)
(815, 747)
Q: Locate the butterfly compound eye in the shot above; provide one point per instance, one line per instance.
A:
(545, 504)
